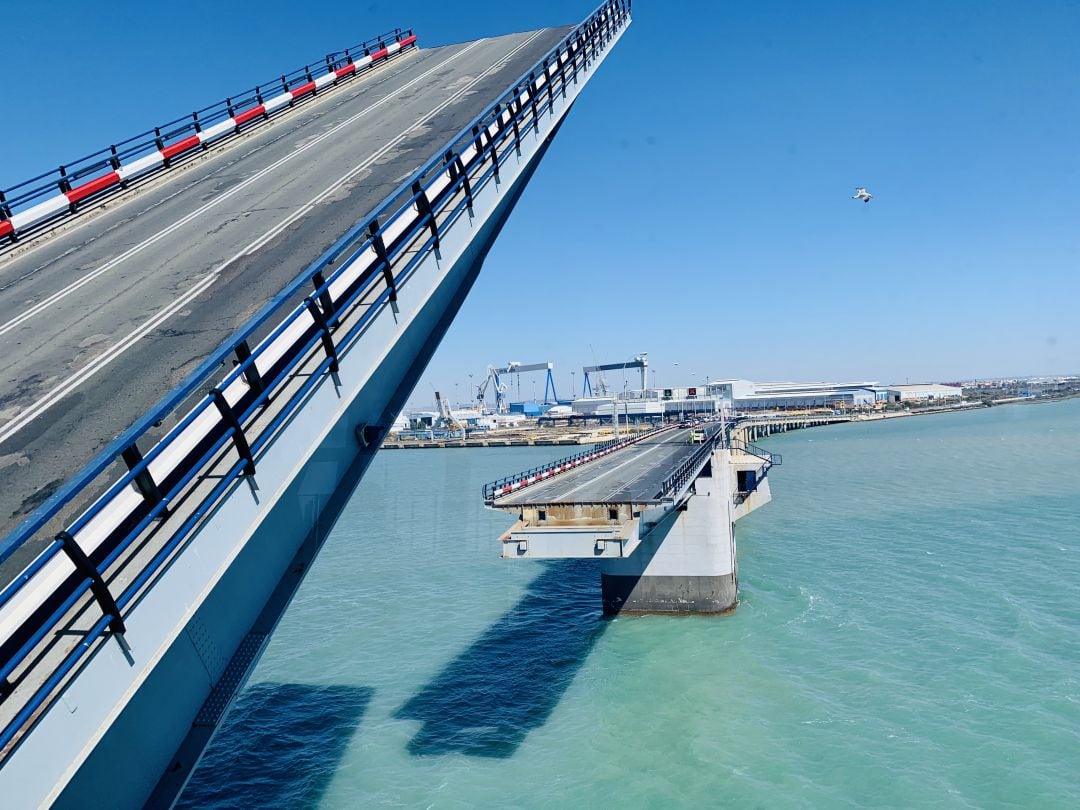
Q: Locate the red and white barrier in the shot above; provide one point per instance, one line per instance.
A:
(66, 201)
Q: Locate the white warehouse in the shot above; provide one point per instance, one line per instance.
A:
(925, 392)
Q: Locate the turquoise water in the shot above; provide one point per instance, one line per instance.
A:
(908, 635)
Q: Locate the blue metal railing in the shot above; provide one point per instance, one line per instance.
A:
(25, 195)
(689, 468)
(433, 198)
(678, 478)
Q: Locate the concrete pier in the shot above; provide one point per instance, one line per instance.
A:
(687, 562)
(657, 516)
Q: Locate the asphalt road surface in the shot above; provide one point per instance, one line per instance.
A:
(99, 321)
(634, 474)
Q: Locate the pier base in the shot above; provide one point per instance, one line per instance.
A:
(687, 562)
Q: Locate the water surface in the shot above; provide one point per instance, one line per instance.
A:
(908, 635)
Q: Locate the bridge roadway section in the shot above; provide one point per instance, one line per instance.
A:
(99, 320)
(634, 474)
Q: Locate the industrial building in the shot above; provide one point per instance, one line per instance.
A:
(751, 396)
(655, 404)
(599, 400)
(925, 392)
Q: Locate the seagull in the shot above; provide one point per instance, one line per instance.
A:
(862, 194)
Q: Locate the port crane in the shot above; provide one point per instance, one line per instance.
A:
(640, 361)
(447, 420)
(494, 379)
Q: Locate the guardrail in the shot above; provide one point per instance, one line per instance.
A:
(689, 468)
(60, 192)
(771, 459)
(545, 472)
(367, 266)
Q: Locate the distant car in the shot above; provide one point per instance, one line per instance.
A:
(696, 437)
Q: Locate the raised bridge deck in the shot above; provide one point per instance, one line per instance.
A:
(99, 320)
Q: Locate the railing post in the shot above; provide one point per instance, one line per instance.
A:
(423, 205)
(251, 373)
(532, 101)
(457, 169)
(481, 134)
(547, 85)
(327, 339)
(159, 142)
(240, 442)
(98, 587)
(144, 481)
(384, 259)
(319, 280)
(5, 215)
(515, 111)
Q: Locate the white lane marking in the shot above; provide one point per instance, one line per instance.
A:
(55, 395)
(625, 486)
(109, 265)
(633, 460)
(84, 374)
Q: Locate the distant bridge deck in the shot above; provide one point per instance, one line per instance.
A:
(634, 474)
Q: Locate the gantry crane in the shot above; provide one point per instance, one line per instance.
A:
(494, 376)
(640, 361)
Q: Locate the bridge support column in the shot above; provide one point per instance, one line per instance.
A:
(686, 563)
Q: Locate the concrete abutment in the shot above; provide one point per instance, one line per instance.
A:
(686, 563)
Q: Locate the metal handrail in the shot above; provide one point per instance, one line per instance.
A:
(25, 195)
(772, 459)
(678, 477)
(439, 182)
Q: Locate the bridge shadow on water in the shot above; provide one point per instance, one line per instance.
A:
(279, 746)
(509, 680)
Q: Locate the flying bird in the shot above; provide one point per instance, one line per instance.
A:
(862, 194)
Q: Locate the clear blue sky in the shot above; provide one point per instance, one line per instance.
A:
(702, 185)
